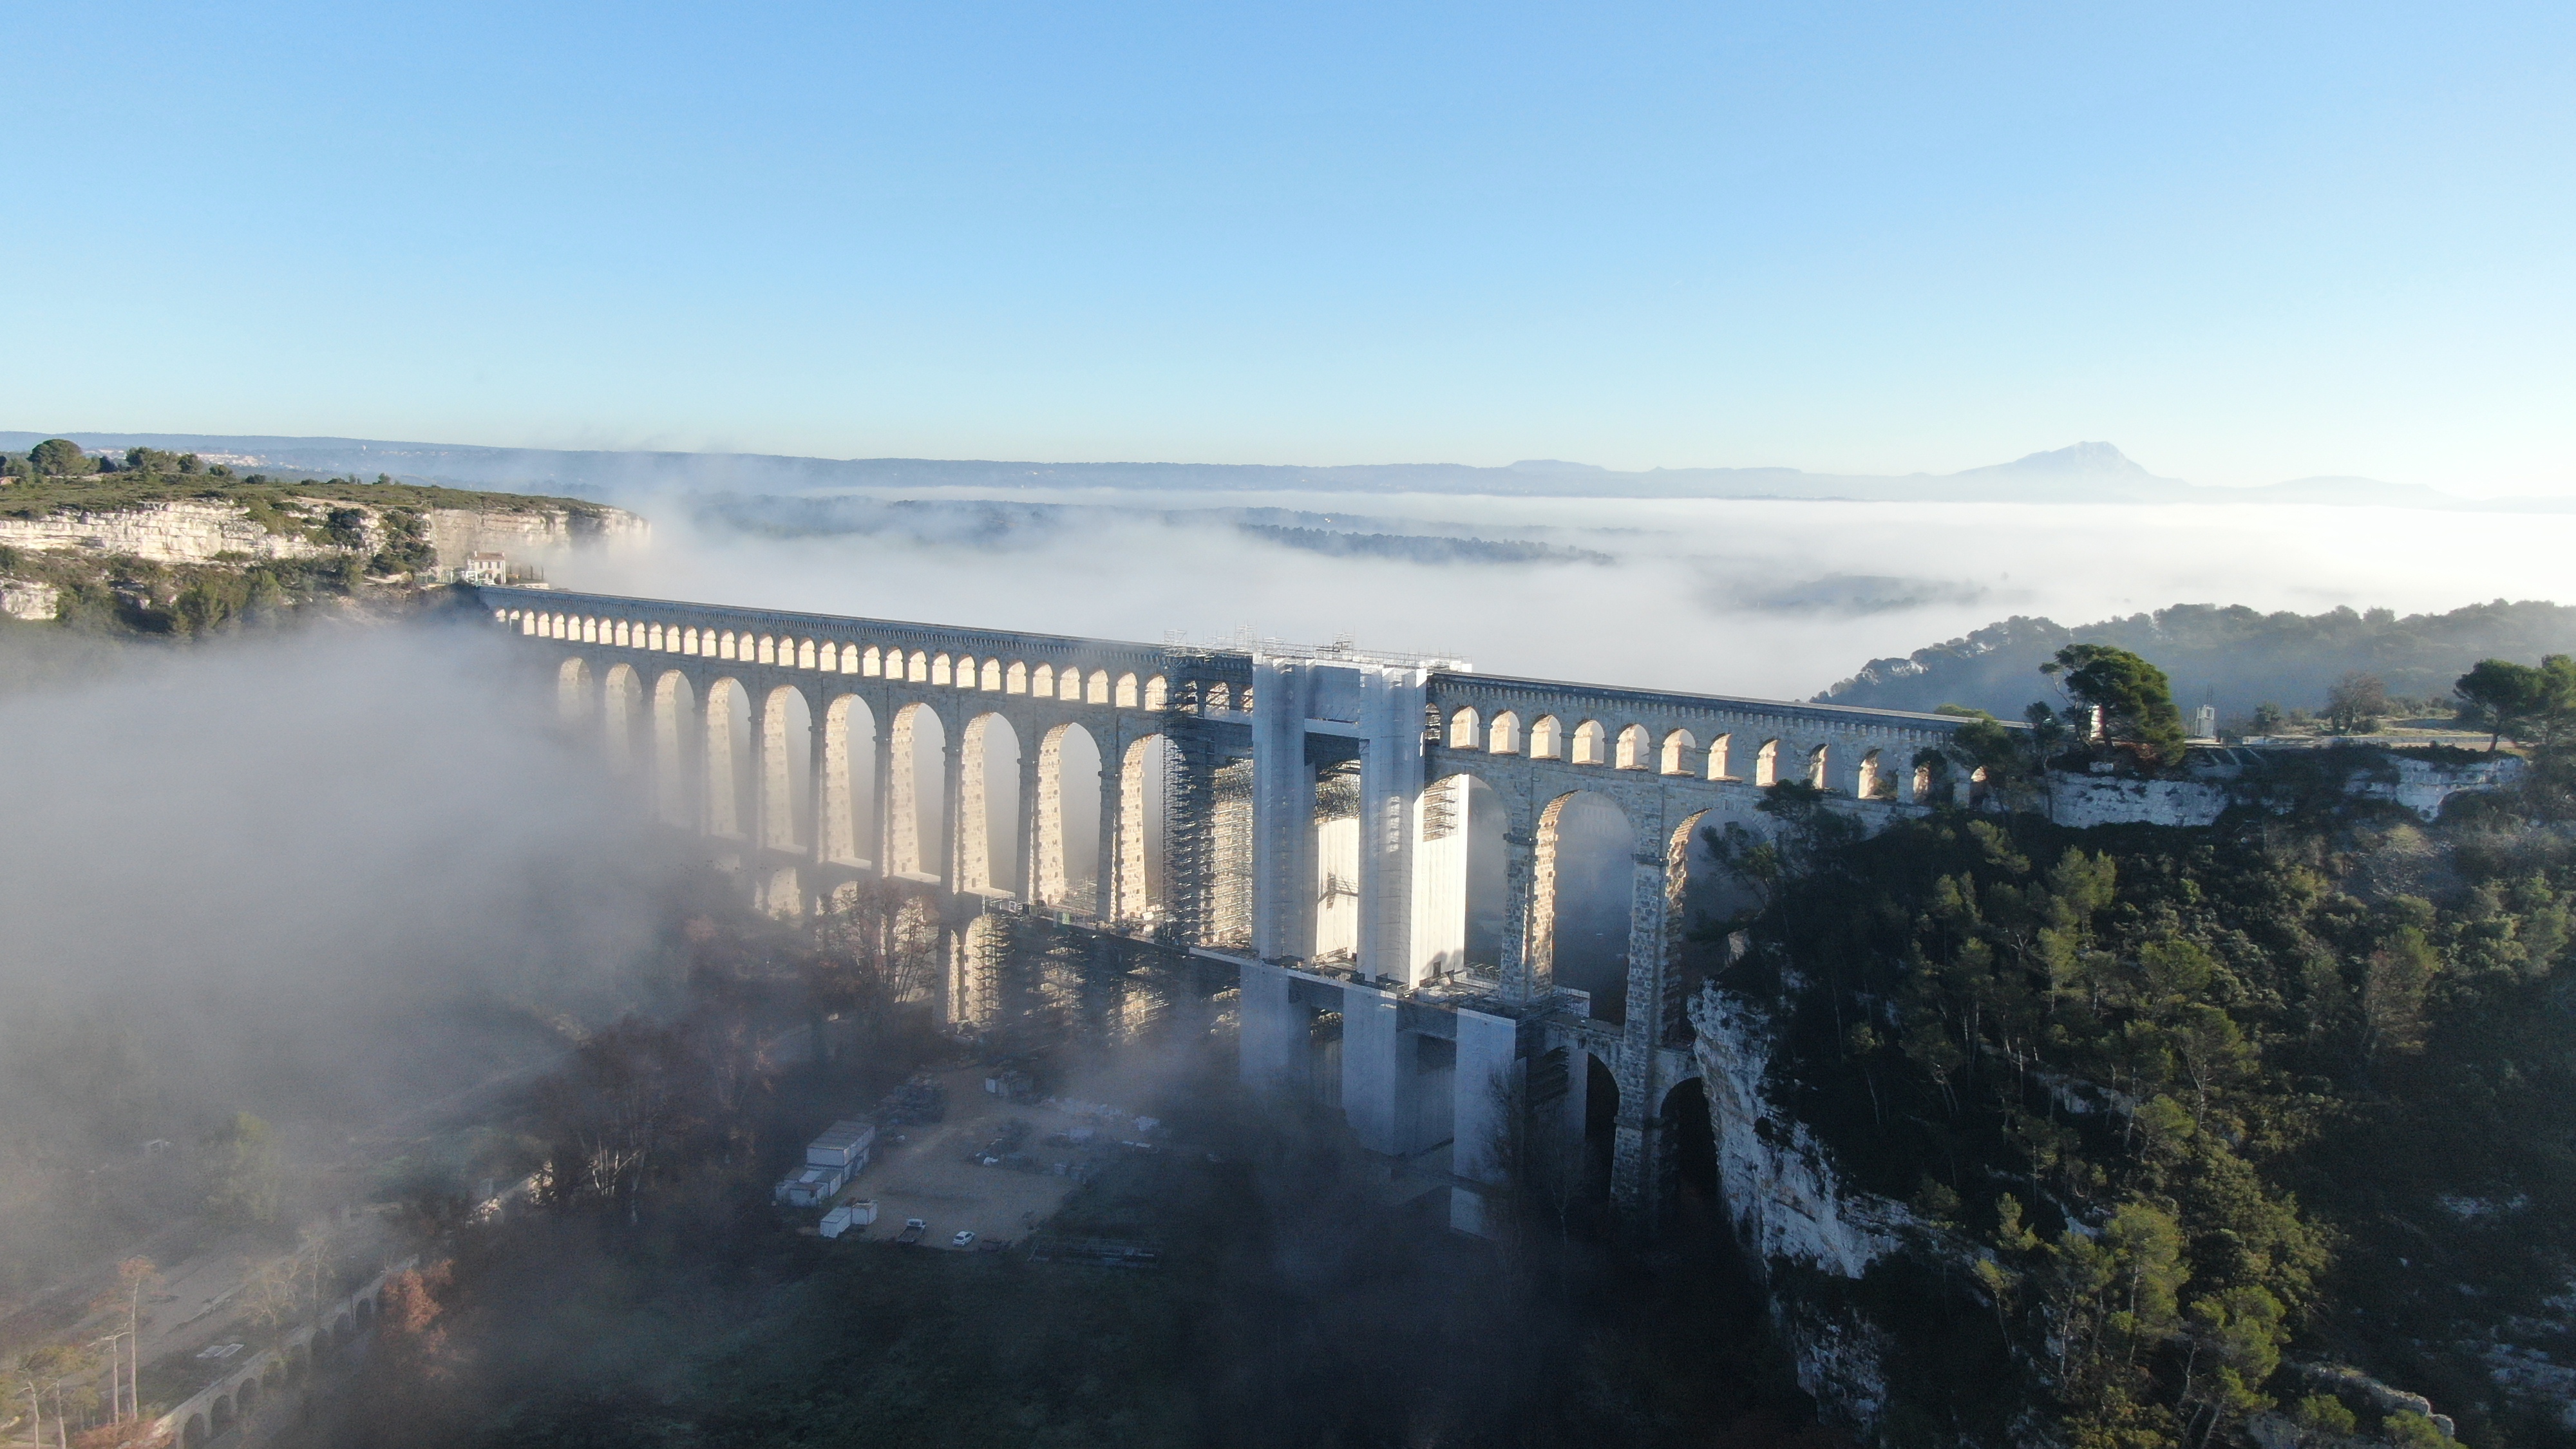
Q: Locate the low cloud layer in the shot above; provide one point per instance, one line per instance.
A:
(1766, 598)
(326, 874)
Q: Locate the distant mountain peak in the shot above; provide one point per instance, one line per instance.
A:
(1554, 465)
(2079, 460)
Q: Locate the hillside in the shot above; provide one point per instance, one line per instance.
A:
(2236, 658)
(166, 544)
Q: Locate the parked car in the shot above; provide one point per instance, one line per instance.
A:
(913, 1228)
(965, 1239)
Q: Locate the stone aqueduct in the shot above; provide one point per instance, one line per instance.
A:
(1378, 846)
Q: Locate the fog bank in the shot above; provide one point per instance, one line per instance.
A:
(1758, 597)
(329, 874)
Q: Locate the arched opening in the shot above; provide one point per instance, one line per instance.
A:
(221, 1415)
(786, 769)
(363, 1313)
(850, 783)
(916, 795)
(1677, 753)
(1766, 764)
(730, 802)
(1505, 738)
(677, 738)
(623, 717)
(1547, 738)
(1817, 764)
(572, 691)
(988, 805)
(1587, 872)
(1143, 887)
(1068, 816)
(1871, 782)
(1634, 751)
(780, 892)
(1600, 1137)
(196, 1434)
(1126, 692)
(1717, 765)
(1691, 1197)
(1590, 741)
(1336, 849)
(1099, 691)
(246, 1398)
(1158, 693)
(1462, 865)
(1462, 730)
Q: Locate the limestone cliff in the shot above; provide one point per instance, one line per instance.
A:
(215, 530)
(1793, 1217)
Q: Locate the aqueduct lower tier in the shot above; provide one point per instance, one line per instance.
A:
(1430, 881)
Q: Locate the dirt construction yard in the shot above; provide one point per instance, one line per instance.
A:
(933, 1175)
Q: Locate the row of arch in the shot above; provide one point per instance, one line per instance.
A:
(1069, 684)
(286, 1366)
(1681, 1169)
(982, 810)
(1680, 753)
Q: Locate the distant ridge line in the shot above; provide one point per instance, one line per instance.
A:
(2091, 472)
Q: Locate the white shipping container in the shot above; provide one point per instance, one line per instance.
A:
(838, 1221)
(844, 1144)
(865, 1212)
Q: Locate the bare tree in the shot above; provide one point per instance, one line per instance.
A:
(2356, 704)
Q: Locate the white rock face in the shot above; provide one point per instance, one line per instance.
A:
(456, 532)
(1789, 1207)
(2421, 785)
(183, 531)
(1787, 1203)
(32, 601)
(197, 531)
(2087, 800)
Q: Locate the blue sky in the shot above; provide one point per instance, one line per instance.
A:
(2243, 242)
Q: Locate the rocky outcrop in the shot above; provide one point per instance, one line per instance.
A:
(200, 531)
(1793, 1217)
(190, 531)
(20, 599)
(457, 532)
(2224, 776)
(1789, 1206)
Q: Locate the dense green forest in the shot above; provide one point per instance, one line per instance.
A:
(2236, 658)
(2194, 1118)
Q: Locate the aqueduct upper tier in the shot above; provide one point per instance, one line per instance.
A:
(1426, 877)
